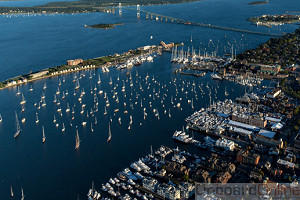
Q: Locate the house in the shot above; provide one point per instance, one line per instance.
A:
(220, 165)
(246, 157)
(223, 177)
(203, 176)
(176, 168)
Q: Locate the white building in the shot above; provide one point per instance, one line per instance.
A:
(274, 93)
(186, 190)
(225, 144)
(150, 183)
(168, 191)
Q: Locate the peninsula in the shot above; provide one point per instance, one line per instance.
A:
(80, 64)
(275, 19)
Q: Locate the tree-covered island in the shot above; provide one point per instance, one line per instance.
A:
(103, 26)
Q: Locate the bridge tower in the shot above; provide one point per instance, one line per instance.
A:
(138, 11)
(120, 9)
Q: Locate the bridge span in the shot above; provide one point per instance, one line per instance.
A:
(160, 17)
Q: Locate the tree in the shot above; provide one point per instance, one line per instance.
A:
(185, 177)
(296, 128)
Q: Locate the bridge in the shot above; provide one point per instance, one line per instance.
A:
(160, 17)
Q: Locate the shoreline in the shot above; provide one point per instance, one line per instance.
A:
(77, 10)
(83, 65)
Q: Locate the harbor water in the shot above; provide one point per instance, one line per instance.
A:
(54, 169)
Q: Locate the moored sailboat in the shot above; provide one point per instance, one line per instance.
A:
(23, 100)
(44, 137)
(77, 140)
(109, 133)
(18, 127)
(11, 192)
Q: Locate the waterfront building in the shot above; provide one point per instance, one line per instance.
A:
(74, 62)
(277, 127)
(254, 120)
(168, 191)
(266, 133)
(260, 139)
(166, 46)
(225, 144)
(270, 69)
(247, 157)
(273, 119)
(242, 132)
(150, 183)
(243, 125)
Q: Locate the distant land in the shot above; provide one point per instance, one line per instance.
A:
(258, 2)
(103, 26)
(83, 6)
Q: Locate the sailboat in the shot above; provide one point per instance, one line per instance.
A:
(43, 102)
(55, 100)
(11, 192)
(23, 100)
(44, 137)
(226, 93)
(192, 104)
(31, 89)
(23, 196)
(77, 85)
(57, 91)
(151, 153)
(96, 121)
(68, 108)
(109, 133)
(77, 140)
(92, 128)
(18, 92)
(18, 127)
(99, 80)
(37, 118)
(0, 118)
(63, 128)
(45, 86)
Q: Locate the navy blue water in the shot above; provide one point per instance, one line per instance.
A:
(54, 170)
